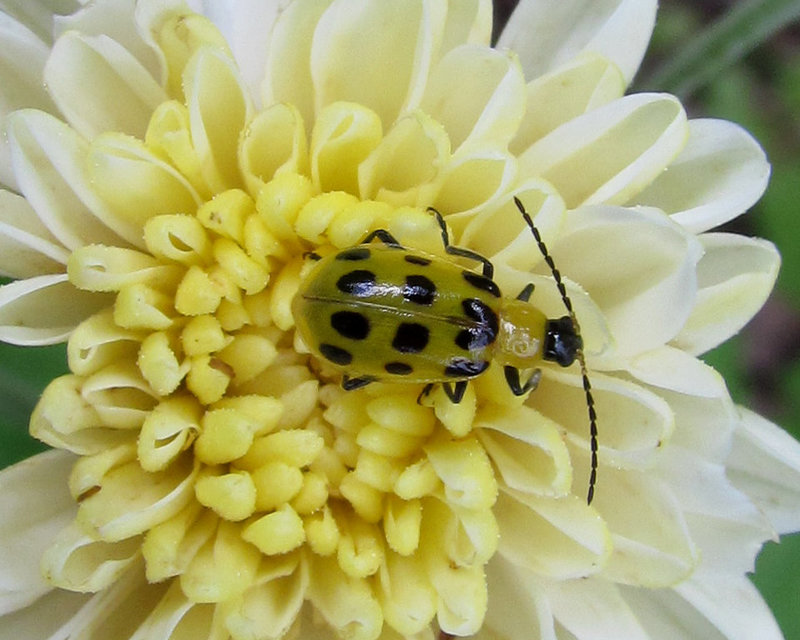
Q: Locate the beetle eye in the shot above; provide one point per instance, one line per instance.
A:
(561, 343)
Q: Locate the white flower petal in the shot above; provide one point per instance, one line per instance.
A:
(478, 94)
(246, 25)
(44, 309)
(99, 86)
(571, 541)
(175, 616)
(518, 606)
(585, 83)
(112, 18)
(22, 57)
(732, 604)
(48, 617)
(720, 173)
(594, 610)
(288, 70)
(735, 277)
(548, 33)
(633, 421)
(356, 58)
(467, 21)
(38, 15)
(26, 247)
(676, 370)
(765, 464)
(611, 153)
(637, 266)
(501, 234)
(219, 107)
(51, 168)
(652, 544)
(34, 506)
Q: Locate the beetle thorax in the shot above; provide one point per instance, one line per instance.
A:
(521, 334)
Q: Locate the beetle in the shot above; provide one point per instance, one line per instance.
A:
(381, 311)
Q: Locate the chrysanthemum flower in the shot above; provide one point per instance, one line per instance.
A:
(169, 166)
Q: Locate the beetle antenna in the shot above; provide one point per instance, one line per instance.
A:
(587, 387)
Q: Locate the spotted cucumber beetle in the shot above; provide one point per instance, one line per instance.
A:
(386, 312)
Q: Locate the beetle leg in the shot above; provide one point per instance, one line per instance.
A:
(488, 267)
(384, 236)
(455, 393)
(525, 294)
(512, 378)
(426, 390)
(312, 255)
(351, 384)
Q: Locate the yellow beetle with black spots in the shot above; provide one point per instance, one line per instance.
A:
(386, 312)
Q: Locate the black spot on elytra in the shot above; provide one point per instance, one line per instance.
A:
(359, 283)
(350, 324)
(419, 290)
(475, 338)
(483, 314)
(482, 282)
(398, 368)
(465, 368)
(419, 260)
(411, 337)
(358, 253)
(335, 354)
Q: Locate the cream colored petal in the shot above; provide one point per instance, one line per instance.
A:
(471, 182)
(720, 173)
(288, 65)
(548, 33)
(344, 602)
(175, 616)
(518, 605)
(501, 234)
(132, 501)
(726, 526)
(135, 184)
(676, 370)
(38, 16)
(44, 309)
(666, 615)
(99, 86)
(467, 21)
(765, 463)
(115, 19)
(527, 449)
(50, 161)
(611, 153)
(652, 542)
(637, 266)
(356, 58)
(585, 83)
(22, 59)
(732, 604)
(560, 539)
(478, 94)
(219, 107)
(79, 562)
(34, 506)
(594, 609)
(45, 618)
(408, 157)
(633, 421)
(247, 25)
(406, 594)
(735, 277)
(27, 248)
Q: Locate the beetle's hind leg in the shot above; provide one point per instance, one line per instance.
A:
(454, 392)
(525, 294)
(488, 267)
(351, 384)
(517, 388)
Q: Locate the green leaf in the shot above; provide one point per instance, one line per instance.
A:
(711, 51)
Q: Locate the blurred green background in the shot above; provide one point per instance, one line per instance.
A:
(738, 60)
